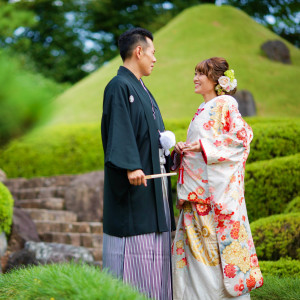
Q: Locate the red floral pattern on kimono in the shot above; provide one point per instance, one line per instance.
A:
(214, 190)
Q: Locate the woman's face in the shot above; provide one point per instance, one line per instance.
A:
(203, 85)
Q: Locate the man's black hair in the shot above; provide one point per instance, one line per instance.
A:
(130, 39)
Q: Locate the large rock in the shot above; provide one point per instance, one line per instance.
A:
(19, 259)
(246, 103)
(84, 196)
(2, 176)
(23, 230)
(46, 253)
(277, 50)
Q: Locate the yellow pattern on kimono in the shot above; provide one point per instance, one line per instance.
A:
(202, 239)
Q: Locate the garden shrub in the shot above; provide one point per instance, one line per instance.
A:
(270, 139)
(270, 184)
(55, 150)
(293, 206)
(274, 140)
(6, 209)
(64, 281)
(77, 148)
(281, 268)
(277, 236)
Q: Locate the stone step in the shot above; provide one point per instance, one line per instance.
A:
(97, 253)
(79, 227)
(19, 183)
(45, 203)
(88, 240)
(38, 193)
(50, 215)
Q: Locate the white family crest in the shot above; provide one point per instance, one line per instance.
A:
(131, 99)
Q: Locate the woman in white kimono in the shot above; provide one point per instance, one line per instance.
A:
(213, 254)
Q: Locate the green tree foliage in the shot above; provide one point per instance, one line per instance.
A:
(12, 18)
(71, 38)
(57, 38)
(113, 17)
(23, 99)
(281, 16)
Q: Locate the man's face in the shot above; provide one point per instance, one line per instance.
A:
(147, 59)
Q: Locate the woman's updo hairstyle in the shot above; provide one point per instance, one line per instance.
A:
(214, 68)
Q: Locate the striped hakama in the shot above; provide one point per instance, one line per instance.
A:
(144, 261)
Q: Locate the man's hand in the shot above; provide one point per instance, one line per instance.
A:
(136, 177)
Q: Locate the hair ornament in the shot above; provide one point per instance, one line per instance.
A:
(227, 83)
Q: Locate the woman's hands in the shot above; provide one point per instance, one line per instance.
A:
(179, 204)
(179, 147)
(193, 147)
(182, 147)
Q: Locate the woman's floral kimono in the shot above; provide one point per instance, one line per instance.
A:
(213, 251)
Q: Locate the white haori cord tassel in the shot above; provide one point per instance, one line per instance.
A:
(167, 140)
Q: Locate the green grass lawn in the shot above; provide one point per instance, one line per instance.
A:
(196, 34)
(278, 288)
(64, 282)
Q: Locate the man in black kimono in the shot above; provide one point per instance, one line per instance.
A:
(138, 214)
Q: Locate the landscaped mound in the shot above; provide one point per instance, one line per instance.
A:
(277, 236)
(64, 281)
(198, 33)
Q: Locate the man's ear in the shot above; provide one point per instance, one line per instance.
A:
(138, 51)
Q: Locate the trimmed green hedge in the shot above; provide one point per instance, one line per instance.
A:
(293, 206)
(72, 149)
(270, 139)
(277, 236)
(274, 140)
(281, 268)
(55, 150)
(269, 185)
(6, 209)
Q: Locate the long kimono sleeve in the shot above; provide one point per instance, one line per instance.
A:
(231, 135)
(118, 135)
(225, 140)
